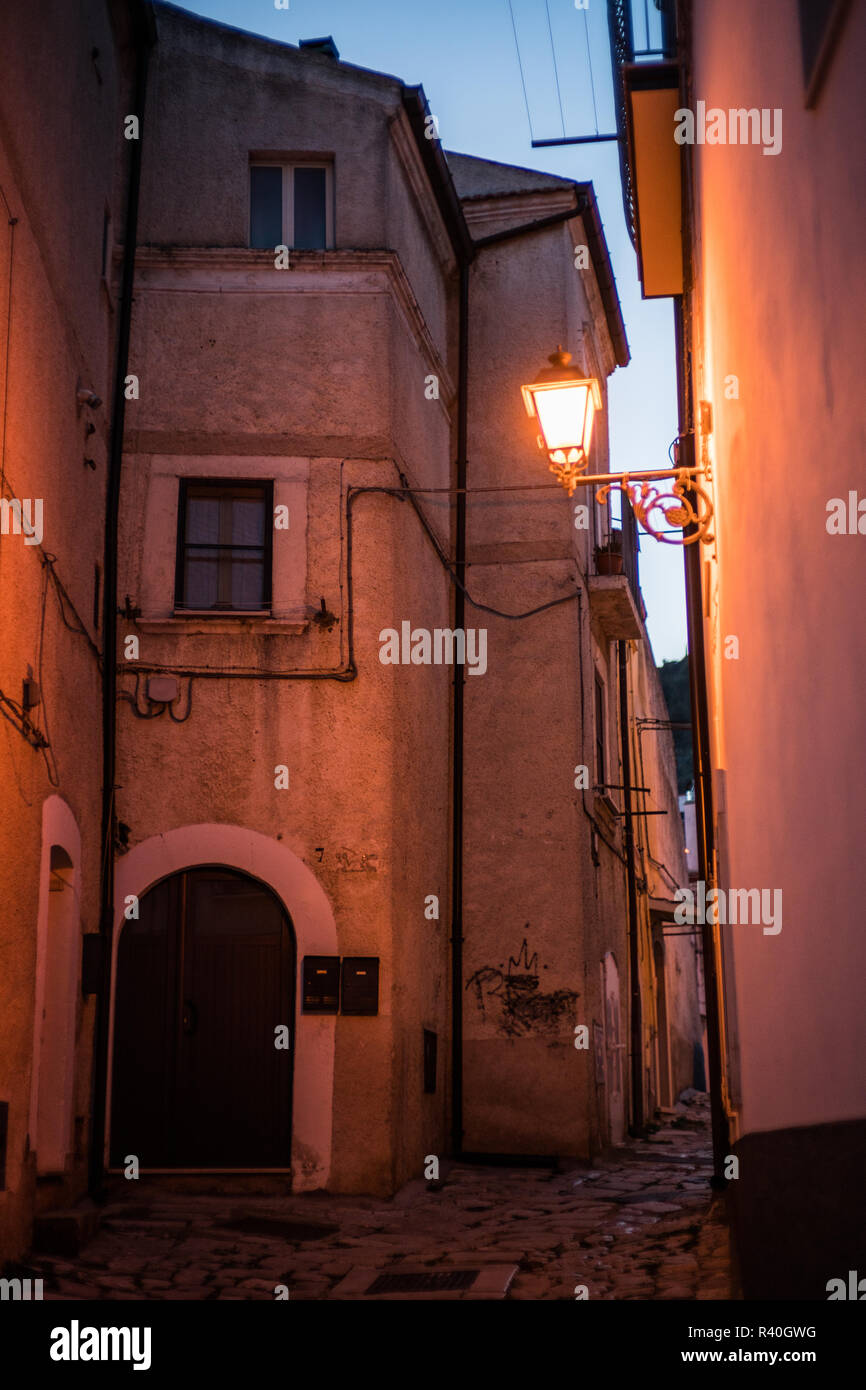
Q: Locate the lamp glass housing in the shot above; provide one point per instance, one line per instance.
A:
(565, 407)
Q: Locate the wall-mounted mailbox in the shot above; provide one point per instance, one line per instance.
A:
(321, 985)
(360, 985)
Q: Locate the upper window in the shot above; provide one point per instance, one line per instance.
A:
(224, 546)
(291, 205)
(600, 759)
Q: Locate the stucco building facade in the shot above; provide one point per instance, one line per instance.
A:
(788, 702)
(363, 898)
(62, 199)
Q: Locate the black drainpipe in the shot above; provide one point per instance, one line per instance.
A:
(704, 815)
(459, 694)
(144, 36)
(637, 1114)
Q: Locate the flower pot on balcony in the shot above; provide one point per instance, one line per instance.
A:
(608, 557)
(608, 562)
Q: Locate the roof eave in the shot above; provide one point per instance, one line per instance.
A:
(436, 168)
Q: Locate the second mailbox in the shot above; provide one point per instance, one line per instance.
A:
(360, 985)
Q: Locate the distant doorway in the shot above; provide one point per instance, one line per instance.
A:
(205, 977)
(613, 1049)
(663, 1039)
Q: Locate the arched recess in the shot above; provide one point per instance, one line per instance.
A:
(614, 1048)
(305, 901)
(58, 979)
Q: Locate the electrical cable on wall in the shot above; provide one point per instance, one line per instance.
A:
(347, 671)
(50, 763)
(12, 223)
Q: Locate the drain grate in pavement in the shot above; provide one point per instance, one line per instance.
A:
(435, 1282)
(487, 1282)
(284, 1230)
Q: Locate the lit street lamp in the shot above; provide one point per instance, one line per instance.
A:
(564, 401)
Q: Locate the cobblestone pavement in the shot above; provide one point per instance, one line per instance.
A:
(643, 1224)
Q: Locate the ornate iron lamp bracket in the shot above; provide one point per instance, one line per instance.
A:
(684, 505)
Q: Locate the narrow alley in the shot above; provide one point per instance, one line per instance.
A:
(641, 1225)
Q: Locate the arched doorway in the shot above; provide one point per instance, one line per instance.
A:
(613, 1049)
(205, 978)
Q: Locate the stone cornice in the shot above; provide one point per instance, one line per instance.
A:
(517, 207)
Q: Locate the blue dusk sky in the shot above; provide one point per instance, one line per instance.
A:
(465, 56)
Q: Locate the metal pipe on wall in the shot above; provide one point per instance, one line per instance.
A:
(458, 722)
(144, 38)
(637, 1106)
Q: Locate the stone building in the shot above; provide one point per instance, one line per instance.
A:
(366, 896)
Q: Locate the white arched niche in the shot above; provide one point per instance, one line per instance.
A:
(304, 899)
(58, 980)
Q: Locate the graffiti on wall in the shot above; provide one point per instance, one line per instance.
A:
(509, 996)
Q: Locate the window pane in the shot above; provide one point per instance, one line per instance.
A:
(202, 518)
(248, 574)
(201, 570)
(266, 206)
(225, 562)
(248, 521)
(309, 209)
(599, 732)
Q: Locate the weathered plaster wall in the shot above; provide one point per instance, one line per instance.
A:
(781, 264)
(539, 915)
(59, 177)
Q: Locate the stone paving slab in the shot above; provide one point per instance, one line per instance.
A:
(641, 1223)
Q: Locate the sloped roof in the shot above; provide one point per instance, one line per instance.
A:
(316, 57)
(308, 53)
(485, 178)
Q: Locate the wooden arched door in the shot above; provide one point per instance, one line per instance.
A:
(205, 977)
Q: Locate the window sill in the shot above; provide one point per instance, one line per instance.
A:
(189, 622)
